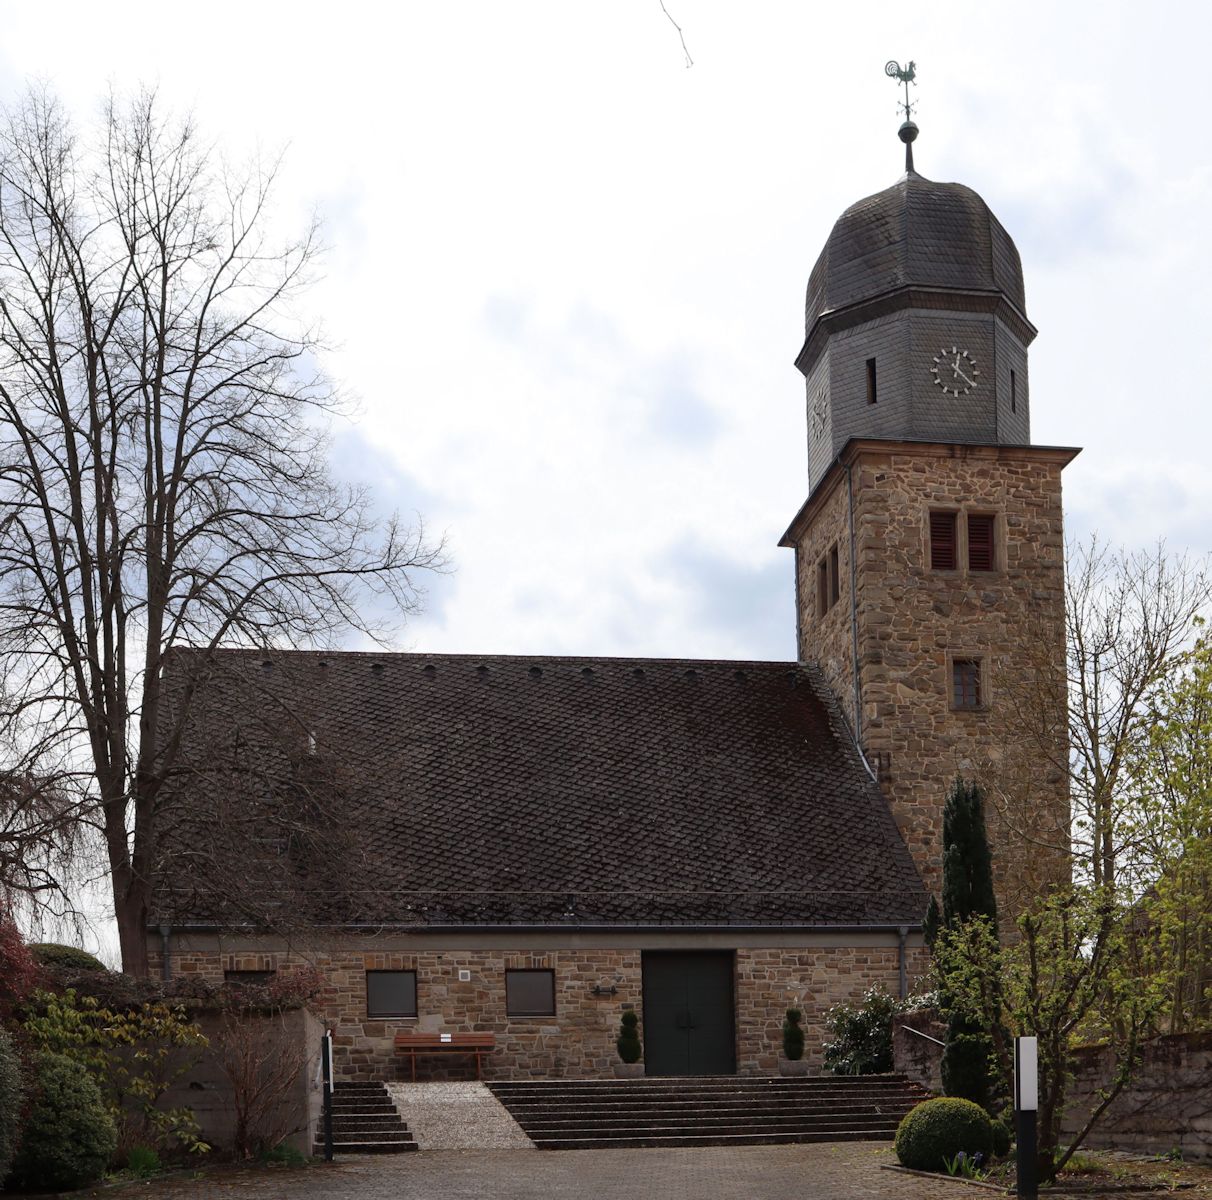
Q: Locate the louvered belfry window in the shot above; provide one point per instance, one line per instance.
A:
(980, 542)
(943, 552)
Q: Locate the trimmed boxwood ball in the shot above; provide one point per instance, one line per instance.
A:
(69, 1135)
(939, 1129)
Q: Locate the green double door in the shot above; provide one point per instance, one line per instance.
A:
(689, 1023)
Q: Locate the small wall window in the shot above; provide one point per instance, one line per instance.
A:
(391, 993)
(966, 690)
(828, 581)
(871, 392)
(1013, 393)
(530, 993)
(982, 555)
(944, 554)
(248, 978)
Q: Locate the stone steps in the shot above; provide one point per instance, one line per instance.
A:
(365, 1121)
(708, 1111)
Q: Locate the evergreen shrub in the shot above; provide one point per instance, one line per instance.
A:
(793, 1036)
(965, 1065)
(69, 1135)
(1002, 1138)
(628, 1044)
(939, 1129)
(54, 954)
(10, 1102)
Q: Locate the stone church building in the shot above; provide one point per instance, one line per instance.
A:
(531, 846)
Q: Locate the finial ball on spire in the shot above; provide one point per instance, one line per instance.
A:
(907, 132)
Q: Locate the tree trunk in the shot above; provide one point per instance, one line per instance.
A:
(131, 910)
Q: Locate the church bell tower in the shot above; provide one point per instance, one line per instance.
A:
(930, 550)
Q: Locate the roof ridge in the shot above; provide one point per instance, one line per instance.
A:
(522, 659)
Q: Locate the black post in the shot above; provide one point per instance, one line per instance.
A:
(1026, 1105)
(326, 1064)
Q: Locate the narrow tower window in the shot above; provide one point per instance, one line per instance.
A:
(980, 542)
(1013, 393)
(835, 583)
(822, 588)
(871, 395)
(943, 555)
(966, 683)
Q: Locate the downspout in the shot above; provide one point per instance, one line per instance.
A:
(166, 966)
(854, 645)
(902, 935)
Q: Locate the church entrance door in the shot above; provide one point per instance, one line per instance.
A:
(689, 1022)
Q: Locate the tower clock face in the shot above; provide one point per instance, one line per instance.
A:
(820, 411)
(955, 371)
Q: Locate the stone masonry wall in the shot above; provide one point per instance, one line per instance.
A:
(827, 640)
(1167, 1105)
(578, 1041)
(912, 621)
(771, 981)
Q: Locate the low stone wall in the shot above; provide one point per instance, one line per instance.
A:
(918, 1057)
(292, 1037)
(1167, 1106)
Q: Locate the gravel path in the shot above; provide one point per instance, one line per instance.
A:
(457, 1116)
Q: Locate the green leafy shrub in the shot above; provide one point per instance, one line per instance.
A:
(283, 1155)
(133, 1057)
(628, 1043)
(1002, 1138)
(54, 954)
(793, 1036)
(10, 1102)
(142, 1161)
(69, 1135)
(937, 1130)
(862, 1035)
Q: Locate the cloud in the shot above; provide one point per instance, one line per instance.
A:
(750, 605)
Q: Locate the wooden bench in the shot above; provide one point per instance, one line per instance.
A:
(416, 1042)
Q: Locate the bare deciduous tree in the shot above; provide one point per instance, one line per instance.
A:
(163, 473)
(1130, 617)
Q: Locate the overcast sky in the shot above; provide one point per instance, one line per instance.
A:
(566, 272)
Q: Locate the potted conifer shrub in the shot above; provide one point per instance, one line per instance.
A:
(629, 1047)
(792, 1062)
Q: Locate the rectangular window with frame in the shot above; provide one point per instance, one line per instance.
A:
(822, 588)
(530, 993)
(391, 993)
(981, 551)
(835, 581)
(966, 683)
(944, 554)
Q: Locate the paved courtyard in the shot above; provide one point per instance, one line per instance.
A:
(843, 1171)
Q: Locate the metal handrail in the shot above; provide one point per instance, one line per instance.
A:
(910, 1029)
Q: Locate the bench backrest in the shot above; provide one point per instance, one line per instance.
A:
(409, 1040)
